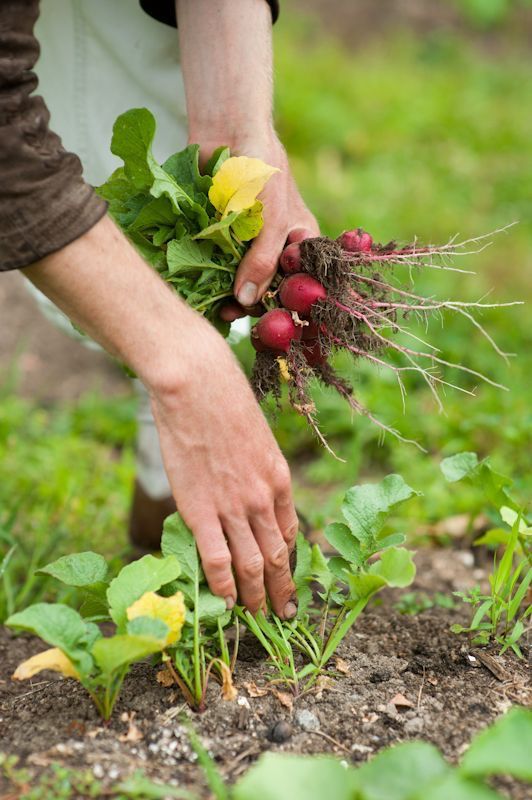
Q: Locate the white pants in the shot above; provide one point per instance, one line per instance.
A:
(98, 59)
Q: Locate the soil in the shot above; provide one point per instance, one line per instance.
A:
(452, 695)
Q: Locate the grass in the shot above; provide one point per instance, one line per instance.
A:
(407, 138)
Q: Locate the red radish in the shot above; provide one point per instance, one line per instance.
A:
(299, 293)
(314, 354)
(356, 241)
(310, 331)
(290, 259)
(277, 330)
(257, 344)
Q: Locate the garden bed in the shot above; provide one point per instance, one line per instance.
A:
(446, 698)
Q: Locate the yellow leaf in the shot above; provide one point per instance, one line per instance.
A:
(171, 610)
(238, 182)
(53, 659)
(283, 369)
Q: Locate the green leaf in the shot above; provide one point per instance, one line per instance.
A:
(210, 606)
(319, 568)
(147, 574)
(480, 474)
(157, 212)
(185, 255)
(220, 233)
(457, 467)
(366, 508)
(278, 777)
(177, 540)
(364, 585)
(133, 134)
(401, 773)
(118, 651)
(456, 787)
(184, 167)
(165, 185)
(395, 566)
(503, 749)
(149, 252)
(248, 223)
(341, 538)
(301, 576)
(140, 787)
(77, 569)
(218, 157)
(59, 626)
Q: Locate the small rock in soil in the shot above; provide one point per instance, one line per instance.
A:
(380, 675)
(414, 725)
(280, 732)
(307, 720)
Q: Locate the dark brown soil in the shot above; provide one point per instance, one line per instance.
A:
(452, 697)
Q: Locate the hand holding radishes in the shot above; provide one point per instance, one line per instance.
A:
(348, 294)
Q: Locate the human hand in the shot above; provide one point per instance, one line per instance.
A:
(228, 476)
(286, 220)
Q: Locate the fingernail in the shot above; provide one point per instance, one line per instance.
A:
(247, 294)
(230, 603)
(290, 610)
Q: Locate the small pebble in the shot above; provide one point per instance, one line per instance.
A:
(307, 720)
(414, 725)
(380, 675)
(280, 732)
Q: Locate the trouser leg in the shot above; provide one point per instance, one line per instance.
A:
(152, 497)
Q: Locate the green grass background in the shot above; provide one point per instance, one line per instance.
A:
(405, 137)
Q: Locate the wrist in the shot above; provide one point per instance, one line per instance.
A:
(245, 138)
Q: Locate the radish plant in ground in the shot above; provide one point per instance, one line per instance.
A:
(146, 623)
(203, 648)
(502, 615)
(368, 560)
(350, 294)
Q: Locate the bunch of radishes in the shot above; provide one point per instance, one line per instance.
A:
(339, 295)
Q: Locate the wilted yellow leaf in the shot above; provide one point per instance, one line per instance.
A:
(238, 182)
(283, 369)
(171, 610)
(53, 659)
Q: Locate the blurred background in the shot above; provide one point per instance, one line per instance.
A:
(406, 117)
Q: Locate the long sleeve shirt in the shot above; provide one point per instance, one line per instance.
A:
(44, 202)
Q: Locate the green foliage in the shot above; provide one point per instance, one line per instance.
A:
(409, 771)
(416, 602)
(501, 615)
(99, 663)
(166, 212)
(347, 582)
(202, 646)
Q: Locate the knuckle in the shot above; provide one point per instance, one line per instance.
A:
(282, 477)
(253, 568)
(261, 504)
(217, 562)
(290, 533)
(278, 558)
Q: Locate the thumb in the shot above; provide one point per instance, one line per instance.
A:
(259, 265)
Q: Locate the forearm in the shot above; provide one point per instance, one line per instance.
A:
(226, 58)
(105, 287)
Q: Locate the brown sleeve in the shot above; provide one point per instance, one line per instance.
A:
(164, 10)
(44, 201)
